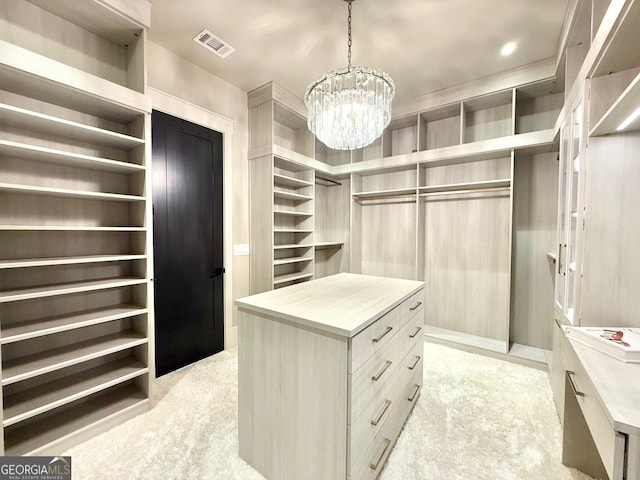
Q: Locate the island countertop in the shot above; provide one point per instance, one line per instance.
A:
(344, 304)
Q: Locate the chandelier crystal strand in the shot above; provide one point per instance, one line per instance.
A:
(348, 108)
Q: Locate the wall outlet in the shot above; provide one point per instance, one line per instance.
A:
(241, 249)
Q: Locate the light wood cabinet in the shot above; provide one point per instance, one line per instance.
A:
(596, 397)
(293, 236)
(431, 199)
(76, 318)
(329, 371)
(282, 239)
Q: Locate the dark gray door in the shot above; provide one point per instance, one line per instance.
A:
(187, 239)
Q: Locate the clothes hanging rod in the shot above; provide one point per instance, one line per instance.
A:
(332, 182)
(465, 191)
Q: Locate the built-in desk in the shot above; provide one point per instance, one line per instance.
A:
(328, 372)
(601, 413)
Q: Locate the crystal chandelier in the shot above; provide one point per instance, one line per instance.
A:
(348, 108)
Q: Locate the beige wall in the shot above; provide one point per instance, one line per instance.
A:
(171, 74)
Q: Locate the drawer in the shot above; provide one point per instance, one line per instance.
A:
(411, 333)
(366, 425)
(412, 306)
(372, 377)
(373, 338)
(374, 416)
(376, 454)
(411, 393)
(602, 432)
(412, 363)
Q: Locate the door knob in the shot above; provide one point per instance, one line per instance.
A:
(217, 272)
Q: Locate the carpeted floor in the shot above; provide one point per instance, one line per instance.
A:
(477, 418)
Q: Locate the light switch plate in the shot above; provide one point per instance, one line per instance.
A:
(241, 249)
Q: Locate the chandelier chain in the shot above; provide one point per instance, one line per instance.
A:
(349, 36)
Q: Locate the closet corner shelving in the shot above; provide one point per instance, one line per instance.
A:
(377, 211)
(75, 301)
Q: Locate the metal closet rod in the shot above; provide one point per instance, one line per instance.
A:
(333, 183)
(465, 191)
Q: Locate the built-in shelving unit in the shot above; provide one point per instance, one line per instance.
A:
(75, 299)
(387, 209)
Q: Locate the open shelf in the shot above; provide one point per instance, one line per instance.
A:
(68, 228)
(325, 245)
(42, 398)
(48, 262)
(289, 246)
(290, 277)
(99, 19)
(292, 213)
(291, 196)
(28, 73)
(60, 323)
(39, 122)
(47, 361)
(624, 106)
(285, 181)
(398, 192)
(67, 288)
(467, 186)
(286, 261)
(446, 335)
(67, 193)
(96, 410)
(42, 154)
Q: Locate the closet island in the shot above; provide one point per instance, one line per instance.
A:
(329, 371)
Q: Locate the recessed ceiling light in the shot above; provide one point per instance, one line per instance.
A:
(508, 49)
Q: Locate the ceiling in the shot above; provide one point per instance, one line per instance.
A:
(425, 45)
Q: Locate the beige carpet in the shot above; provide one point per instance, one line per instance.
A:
(477, 418)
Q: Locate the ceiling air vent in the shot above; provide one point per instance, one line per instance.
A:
(218, 46)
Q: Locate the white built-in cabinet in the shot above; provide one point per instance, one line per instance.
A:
(298, 215)
(76, 322)
(436, 198)
(597, 274)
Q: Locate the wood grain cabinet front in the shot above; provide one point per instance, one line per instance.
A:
(339, 391)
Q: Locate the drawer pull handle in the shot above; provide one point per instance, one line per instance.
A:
(415, 392)
(415, 363)
(573, 385)
(387, 364)
(416, 332)
(557, 322)
(376, 340)
(415, 306)
(375, 421)
(374, 466)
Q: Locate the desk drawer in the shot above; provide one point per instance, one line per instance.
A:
(414, 305)
(602, 432)
(373, 338)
